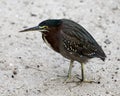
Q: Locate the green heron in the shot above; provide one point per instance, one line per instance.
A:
(71, 40)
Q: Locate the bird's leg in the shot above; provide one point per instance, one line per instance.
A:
(69, 71)
(82, 72)
(83, 75)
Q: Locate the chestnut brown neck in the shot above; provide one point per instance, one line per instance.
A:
(52, 38)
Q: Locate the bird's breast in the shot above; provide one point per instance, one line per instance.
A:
(47, 42)
(52, 40)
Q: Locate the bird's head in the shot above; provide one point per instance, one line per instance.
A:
(44, 26)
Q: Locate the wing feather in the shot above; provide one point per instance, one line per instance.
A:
(87, 44)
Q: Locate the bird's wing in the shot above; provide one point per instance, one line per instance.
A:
(87, 44)
(78, 46)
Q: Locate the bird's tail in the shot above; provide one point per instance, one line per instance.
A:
(100, 54)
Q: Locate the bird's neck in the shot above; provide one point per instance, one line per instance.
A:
(51, 38)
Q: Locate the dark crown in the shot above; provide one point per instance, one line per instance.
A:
(51, 23)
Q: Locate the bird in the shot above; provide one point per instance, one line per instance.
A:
(71, 40)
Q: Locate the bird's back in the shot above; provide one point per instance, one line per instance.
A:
(79, 41)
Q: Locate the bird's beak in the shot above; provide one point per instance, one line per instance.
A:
(36, 28)
(31, 29)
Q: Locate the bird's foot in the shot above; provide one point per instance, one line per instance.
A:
(86, 81)
(67, 78)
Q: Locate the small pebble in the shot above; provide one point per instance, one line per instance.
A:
(20, 57)
(115, 80)
(116, 72)
(113, 22)
(26, 67)
(106, 36)
(39, 91)
(91, 10)
(112, 77)
(24, 26)
(117, 48)
(118, 59)
(12, 76)
(12, 23)
(107, 92)
(105, 46)
(27, 38)
(38, 66)
(33, 15)
(9, 36)
(15, 72)
(98, 82)
(107, 41)
(81, 1)
(26, 91)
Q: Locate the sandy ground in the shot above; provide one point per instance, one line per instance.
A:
(29, 68)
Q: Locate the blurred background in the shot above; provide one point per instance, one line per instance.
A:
(28, 67)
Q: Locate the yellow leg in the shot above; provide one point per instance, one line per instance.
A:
(83, 75)
(69, 71)
(82, 72)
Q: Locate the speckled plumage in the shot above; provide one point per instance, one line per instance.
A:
(71, 40)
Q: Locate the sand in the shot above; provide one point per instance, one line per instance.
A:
(28, 67)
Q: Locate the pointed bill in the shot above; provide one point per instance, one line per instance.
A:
(36, 28)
